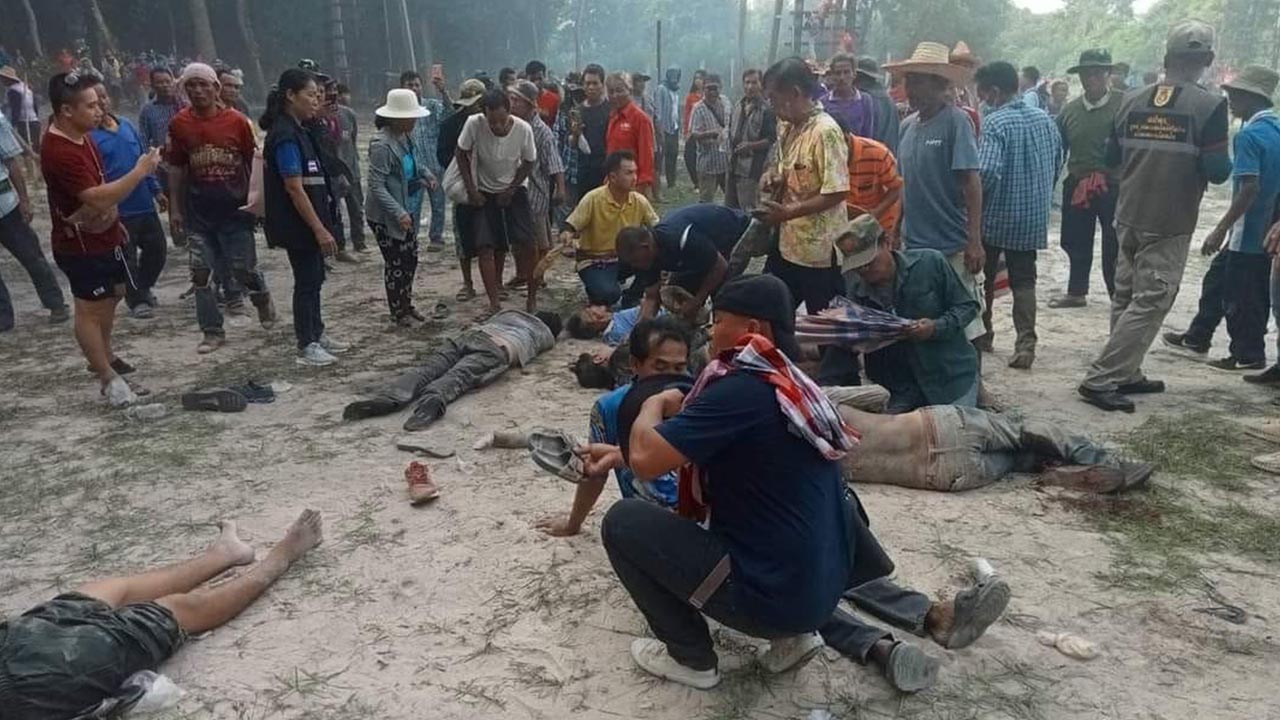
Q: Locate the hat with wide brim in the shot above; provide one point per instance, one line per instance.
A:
(1256, 79)
(402, 104)
(9, 73)
(469, 93)
(1092, 58)
(930, 58)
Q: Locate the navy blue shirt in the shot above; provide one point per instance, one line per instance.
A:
(120, 152)
(775, 501)
(689, 239)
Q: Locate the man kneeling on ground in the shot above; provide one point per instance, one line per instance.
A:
(785, 540)
(474, 359)
(71, 656)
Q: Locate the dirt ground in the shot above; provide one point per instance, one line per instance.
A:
(461, 609)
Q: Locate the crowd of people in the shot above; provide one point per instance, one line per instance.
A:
(886, 228)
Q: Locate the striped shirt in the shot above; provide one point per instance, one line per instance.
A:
(547, 167)
(1018, 158)
(713, 156)
(873, 173)
(154, 119)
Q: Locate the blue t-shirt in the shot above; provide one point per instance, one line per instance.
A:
(775, 501)
(934, 214)
(289, 159)
(410, 166)
(1257, 154)
(623, 322)
(604, 429)
(120, 151)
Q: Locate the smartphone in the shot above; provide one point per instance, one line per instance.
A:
(437, 71)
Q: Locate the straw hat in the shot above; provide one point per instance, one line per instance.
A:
(1257, 79)
(8, 73)
(402, 103)
(961, 55)
(930, 58)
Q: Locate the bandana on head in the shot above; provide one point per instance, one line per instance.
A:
(199, 71)
(809, 412)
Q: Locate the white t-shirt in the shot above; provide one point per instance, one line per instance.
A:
(495, 158)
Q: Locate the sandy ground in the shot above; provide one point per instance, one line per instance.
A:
(461, 609)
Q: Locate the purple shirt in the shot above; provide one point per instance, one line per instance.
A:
(856, 114)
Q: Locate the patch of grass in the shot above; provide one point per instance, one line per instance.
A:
(1161, 536)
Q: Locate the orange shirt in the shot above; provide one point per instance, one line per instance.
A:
(689, 101)
(548, 106)
(631, 129)
(873, 173)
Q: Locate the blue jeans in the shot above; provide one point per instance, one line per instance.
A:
(435, 233)
(601, 282)
(308, 276)
(232, 248)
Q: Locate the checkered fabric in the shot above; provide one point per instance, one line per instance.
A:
(1019, 157)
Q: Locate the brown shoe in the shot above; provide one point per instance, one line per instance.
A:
(421, 487)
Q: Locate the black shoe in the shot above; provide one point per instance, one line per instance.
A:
(427, 412)
(1270, 376)
(1141, 387)
(220, 400)
(1232, 364)
(1179, 340)
(362, 409)
(1108, 400)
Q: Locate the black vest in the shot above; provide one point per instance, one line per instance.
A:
(284, 225)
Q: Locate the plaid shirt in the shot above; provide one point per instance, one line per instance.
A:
(713, 156)
(548, 166)
(857, 327)
(1019, 156)
(426, 136)
(153, 121)
(10, 149)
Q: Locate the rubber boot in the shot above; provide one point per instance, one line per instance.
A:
(1024, 323)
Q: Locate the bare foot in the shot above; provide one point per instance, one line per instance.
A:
(305, 533)
(237, 551)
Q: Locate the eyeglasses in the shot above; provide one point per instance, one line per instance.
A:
(74, 77)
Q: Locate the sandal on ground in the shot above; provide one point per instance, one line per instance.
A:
(1269, 462)
(440, 311)
(975, 609)
(218, 400)
(465, 294)
(423, 447)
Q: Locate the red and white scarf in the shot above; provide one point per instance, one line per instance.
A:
(808, 410)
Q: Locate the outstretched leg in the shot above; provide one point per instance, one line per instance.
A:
(225, 553)
(204, 610)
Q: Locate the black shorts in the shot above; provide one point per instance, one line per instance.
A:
(497, 228)
(69, 655)
(94, 277)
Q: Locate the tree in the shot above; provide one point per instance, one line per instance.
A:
(206, 50)
(108, 42)
(33, 28)
(253, 57)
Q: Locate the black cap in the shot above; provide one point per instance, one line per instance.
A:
(763, 297)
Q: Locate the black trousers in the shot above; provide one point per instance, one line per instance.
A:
(1236, 287)
(308, 277)
(144, 255)
(670, 156)
(815, 287)
(1077, 237)
(399, 266)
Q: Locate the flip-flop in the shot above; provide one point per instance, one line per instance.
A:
(440, 311)
(910, 669)
(423, 447)
(465, 294)
(1269, 430)
(552, 450)
(975, 609)
(1269, 462)
(218, 400)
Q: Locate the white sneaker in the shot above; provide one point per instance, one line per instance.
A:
(652, 657)
(314, 355)
(333, 346)
(118, 393)
(789, 652)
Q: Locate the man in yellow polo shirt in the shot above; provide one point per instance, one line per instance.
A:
(595, 223)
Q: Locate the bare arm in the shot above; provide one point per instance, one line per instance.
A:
(971, 186)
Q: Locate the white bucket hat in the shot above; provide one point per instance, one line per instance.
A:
(402, 103)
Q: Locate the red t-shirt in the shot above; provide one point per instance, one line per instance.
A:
(631, 129)
(548, 106)
(217, 154)
(70, 168)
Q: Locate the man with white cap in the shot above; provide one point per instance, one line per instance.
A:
(210, 155)
(1170, 141)
(938, 160)
(1236, 287)
(937, 366)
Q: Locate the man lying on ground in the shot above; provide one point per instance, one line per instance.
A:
(776, 556)
(692, 243)
(472, 360)
(71, 656)
(657, 347)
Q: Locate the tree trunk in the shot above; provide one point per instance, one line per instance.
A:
(206, 50)
(33, 29)
(408, 33)
(254, 66)
(777, 29)
(108, 43)
(338, 40)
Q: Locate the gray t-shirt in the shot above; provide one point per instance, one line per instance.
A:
(929, 153)
(522, 335)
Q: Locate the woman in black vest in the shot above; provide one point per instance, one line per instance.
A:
(301, 206)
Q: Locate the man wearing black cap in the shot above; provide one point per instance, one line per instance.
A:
(867, 80)
(775, 556)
